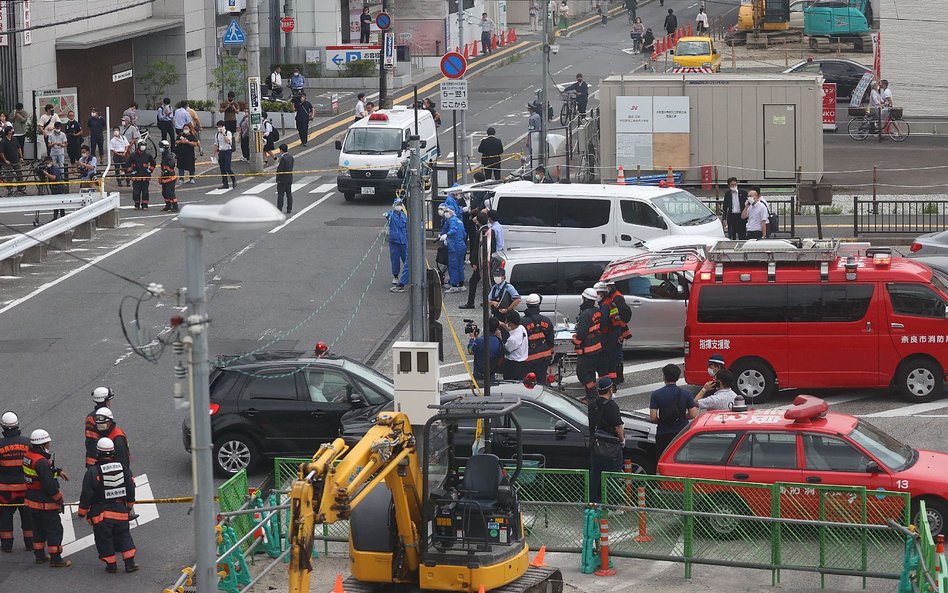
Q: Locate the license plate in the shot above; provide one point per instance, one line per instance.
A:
(368, 191)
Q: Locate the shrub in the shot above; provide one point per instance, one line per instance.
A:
(157, 77)
(360, 69)
(278, 106)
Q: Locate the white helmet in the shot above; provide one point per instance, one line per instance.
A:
(601, 286)
(39, 437)
(532, 299)
(105, 445)
(102, 394)
(591, 294)
(9, 420)
(103, 412)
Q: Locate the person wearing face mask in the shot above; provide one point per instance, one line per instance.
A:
(540, 176)
(96, 124)
(119, 146)
(734, 201)
(715, 365)
(587, 341)
(516, 346)
(479, 229)
(73, 131)
(167, 178)
(453, 235)
(224, 151)
(285, 179)
(106, 427)
(540, 336)
(757, 215)
(398, 244)
(44, 499)
(503, 297)
(140, 166)
(86, 167)
(722, 398)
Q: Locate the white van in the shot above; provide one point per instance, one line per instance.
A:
(586, 215)
(374, 154)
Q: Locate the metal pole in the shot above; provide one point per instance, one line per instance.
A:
(384, 102)
(454, 135)
(418, 295)
(204, 517)
(485, 264)
(465, 164)
(545, 74)
(288, 44)
(253, 69)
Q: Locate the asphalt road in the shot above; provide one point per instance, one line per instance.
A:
(321, 276)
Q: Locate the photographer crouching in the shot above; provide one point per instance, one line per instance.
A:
(475, 346)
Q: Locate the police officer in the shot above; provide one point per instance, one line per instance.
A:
(587, 341)
(44, 500)
(539, 339)
(140, 166)
(13, 447)
(101, 398)
(108, 494)
(105, 427)
(616, 315)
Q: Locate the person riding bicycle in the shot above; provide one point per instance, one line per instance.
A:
(648, 41)
(637, 33)
(582, 93)
(880, 101)
(297, 82)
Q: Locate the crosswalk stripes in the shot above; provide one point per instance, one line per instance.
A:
(260, 187)
(323, 188)
(299, 185)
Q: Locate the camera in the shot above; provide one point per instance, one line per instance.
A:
(471, 328)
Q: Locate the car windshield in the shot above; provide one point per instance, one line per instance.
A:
(373, 141)
(940, 280)
(566, 407)
(892, 453)
(370, 375)
(684, 209)
(693, 48)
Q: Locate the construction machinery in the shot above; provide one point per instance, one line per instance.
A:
(759, 21)
(839, 21)
(441, 523)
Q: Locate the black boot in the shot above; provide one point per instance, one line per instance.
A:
(41, 556)
(28, 543)
(56, 561)
(6, 546)
(130, 565)
(111, 567)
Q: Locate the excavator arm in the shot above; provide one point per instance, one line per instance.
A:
(338, 478)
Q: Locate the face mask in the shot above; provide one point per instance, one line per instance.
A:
(732, 186)
(116, 133)
(220, 130)
(498, 279)
(85, 155)
(399, 208)
(71, 117)
(711, 372)
(100, 426)
(95, 114)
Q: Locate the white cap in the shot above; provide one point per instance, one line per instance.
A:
(39, 437)
(102, 394)
(103, 411)
(9, 420)
(532, 299)
(591, 294)
(105, 445)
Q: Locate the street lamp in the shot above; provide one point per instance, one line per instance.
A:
(243, 213)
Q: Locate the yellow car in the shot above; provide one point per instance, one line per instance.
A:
(697, 52)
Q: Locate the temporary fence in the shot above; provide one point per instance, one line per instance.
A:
(898, 216)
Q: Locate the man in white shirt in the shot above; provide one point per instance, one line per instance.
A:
(360, 107)
(723, 398)
(276, 83)
(119, 146)
(756, 214)
(516, 346)
(181, 118)
(734, 200)
(487, 27)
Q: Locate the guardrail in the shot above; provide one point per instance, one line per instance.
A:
(32, 204)
(42, 235)
(898, 216)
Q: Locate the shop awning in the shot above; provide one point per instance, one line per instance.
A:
(121, 32)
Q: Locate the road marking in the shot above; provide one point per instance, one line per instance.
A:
(906, 410)
(323, 188)
(655, 364)
(220, 190)
(259, 187)
(146, 514)
(82, 268)
(299, 185)
(301, 212)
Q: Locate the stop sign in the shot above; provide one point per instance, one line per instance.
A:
(287, 24)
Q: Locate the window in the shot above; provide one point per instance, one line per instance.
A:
(524, 211)
(222, 382)
(641, 214)
(538, 278)
(372, 396)
(279, 384)
(194, 54)
(828, 302)
(531, 418)
(709, 448)
(582, 214)
(773, 450)
(742, 304)
(684, 209)
(830, 454)
(373, 141)
(809, 68)
(580, 275)
(693, 48)
(327, 386)
(917, 300)
(894, 454)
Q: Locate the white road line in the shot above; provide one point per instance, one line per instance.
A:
(299, 185)
(638, 390)
(259, 187)
(82, 268)
(146, 514)
(301, 212)
(906, 410)
(220, 191)
(655, 364)
(323, 188)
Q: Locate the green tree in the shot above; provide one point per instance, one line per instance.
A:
(157, 77)
(230, 75)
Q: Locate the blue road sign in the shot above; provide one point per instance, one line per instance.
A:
(453, 65)
(234, 34)
(383, 21)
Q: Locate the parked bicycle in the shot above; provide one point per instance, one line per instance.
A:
(893, 126)
(569, 110)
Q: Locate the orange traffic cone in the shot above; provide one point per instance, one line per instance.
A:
(457, 49)
(654, 55)
(689, 30)
(493, 42)
(503, 38)
(670, 179)
(620, 179)
(480, 589)
(474, 49)
(466, 54)
(338, 587)
(538, 560)
(512, 37)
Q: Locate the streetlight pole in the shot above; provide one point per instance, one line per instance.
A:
(384, 102)
(545, 74)
(253, 69)
(462, 144)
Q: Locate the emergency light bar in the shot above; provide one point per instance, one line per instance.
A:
(806, 408)
(378, 117)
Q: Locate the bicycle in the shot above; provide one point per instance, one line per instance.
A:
(569, 109)
(587, 164)
(148, 140)
(897, 129)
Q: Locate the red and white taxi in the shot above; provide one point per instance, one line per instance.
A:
(806, 444)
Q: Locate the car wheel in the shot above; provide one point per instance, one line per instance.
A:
(755, 380)
(234, 452)
(641, 464)
(936, 511)
(920, 380)
(721, 527)
(349, 196)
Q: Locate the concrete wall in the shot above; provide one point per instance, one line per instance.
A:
(910, 49)
(726, 119)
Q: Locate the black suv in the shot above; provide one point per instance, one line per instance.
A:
(284, 404)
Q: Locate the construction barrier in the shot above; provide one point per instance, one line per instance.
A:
(232, 495)
(232, 569)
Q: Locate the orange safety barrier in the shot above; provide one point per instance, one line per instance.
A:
(604, 570)
(643, 536)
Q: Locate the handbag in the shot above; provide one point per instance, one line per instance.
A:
(605, 447)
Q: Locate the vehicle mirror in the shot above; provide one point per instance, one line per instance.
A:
(671, 52)
(338, 144)
(946, 311)
(354, 396)
(423, 143)
(561, 428)
(873, 468)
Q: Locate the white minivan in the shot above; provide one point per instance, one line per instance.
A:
(374, 154)
(586, 215)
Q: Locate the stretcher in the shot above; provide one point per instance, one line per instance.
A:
(564, 353)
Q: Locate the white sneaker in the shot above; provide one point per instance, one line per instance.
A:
(454, 289)
(394, 280)
(191, 180)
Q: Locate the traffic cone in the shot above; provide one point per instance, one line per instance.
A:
(466, 54)
(474, 49)
(512, 38)
(689, 30)
(503, 39)
(654, 55)
(620, 178)
(338, 587)
(493, 42)
(480, 589)
(670, 179)
(457, 49)
(538, 560)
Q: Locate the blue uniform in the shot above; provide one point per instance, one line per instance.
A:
(451, 202)
(457, 247)
(398, 244)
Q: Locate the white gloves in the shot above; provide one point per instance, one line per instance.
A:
(443, 239)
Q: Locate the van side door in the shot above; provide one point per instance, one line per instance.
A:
(528, 221)
(917, 323)
(638, 221)
(584, 221)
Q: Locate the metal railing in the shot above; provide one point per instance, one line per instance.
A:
(898, 216)
(784, 208)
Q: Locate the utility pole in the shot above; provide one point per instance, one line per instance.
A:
(462, 145)
(252, 32)
(384, 101)
(545, 74)
(418, 295)
(288, 45)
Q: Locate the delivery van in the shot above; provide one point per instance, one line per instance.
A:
(374, 153)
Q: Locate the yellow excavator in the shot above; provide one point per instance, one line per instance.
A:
(762, 20)
(448, 524)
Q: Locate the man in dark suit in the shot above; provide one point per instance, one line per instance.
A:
(492, 151)
(734, 200)
(284, 177)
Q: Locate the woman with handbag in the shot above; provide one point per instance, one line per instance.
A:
(606, 437)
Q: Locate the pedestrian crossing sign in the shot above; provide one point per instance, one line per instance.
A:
(234, 35)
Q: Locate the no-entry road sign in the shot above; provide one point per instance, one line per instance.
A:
(287, 24)
(453, 65)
